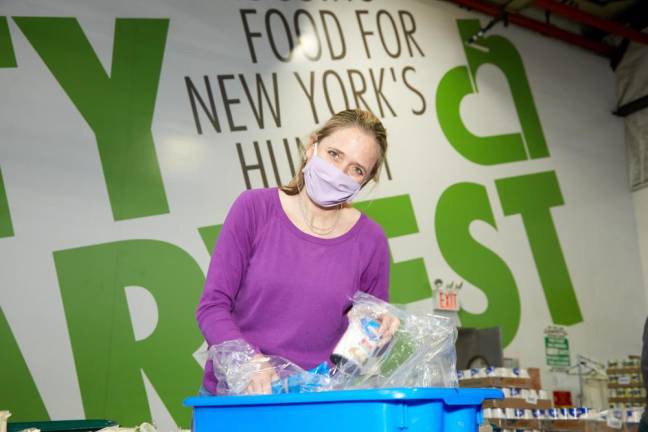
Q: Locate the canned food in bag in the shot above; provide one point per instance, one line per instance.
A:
(358, 343)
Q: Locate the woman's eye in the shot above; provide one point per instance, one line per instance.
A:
(333, 153)
(359, 172)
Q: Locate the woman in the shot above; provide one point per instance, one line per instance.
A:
(288, 260)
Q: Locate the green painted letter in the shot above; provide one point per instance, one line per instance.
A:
(7, 55)
(19, 393)
(109, 361)
(6, 227)
(7, 60)
(408, 279)
(459, 206)
(531, 196)
(118, 108)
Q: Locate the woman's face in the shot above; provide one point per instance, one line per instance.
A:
(352, 150)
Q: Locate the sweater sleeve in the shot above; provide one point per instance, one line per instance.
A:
(375, 278)
(227, 268)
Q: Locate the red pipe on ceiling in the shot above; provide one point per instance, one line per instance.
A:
(540, 27)
(593, 21)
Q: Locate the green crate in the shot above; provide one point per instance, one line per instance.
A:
(62, 425)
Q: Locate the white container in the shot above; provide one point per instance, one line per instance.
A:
(478, 373)
(552, 413)
(633, 415)
(563, 414)
(497, 413)
(516, 393)
(583, 412)
(501, 372)
(531, 396)
(520, 373)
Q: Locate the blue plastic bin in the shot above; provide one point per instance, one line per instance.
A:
(399, 409)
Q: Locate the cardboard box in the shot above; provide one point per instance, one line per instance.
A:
(518, 403)
(534, 374)
(627, 400)
(624, 370)
(584, 426)
(600, 426)
(498, 382)
(565, 425)
(515, 423)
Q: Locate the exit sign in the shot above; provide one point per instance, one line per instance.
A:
(447, 300)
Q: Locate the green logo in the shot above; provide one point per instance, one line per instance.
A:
(530, 196)
(461, 81)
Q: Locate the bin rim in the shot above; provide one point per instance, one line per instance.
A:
(450, 396)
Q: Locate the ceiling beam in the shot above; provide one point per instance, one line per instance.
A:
(540, 27)
(632, 107)
(592, 21)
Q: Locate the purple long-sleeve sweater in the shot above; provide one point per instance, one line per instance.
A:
(282, 290)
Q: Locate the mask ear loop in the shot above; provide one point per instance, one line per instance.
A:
(305, 162)
(373, 188)
(372, 199)
(315, 142)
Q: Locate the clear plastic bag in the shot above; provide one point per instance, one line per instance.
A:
(421, 353)
(235, 362)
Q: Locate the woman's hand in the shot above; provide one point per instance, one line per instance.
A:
(389, 324)
(261, 379)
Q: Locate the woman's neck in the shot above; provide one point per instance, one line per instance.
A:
(320, 216)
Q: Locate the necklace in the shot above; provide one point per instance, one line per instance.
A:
(308, 221)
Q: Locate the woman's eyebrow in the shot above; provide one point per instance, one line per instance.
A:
(342, 153)
(336, 149)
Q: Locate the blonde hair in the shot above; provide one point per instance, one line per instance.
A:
(364, 120)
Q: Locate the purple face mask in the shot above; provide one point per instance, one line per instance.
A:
(326, 185)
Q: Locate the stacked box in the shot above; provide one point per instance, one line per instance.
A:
(524, 404)
(625, 383)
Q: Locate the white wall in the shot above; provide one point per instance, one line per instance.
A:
(640, 198)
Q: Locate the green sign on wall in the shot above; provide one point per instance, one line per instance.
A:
(557, 348)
